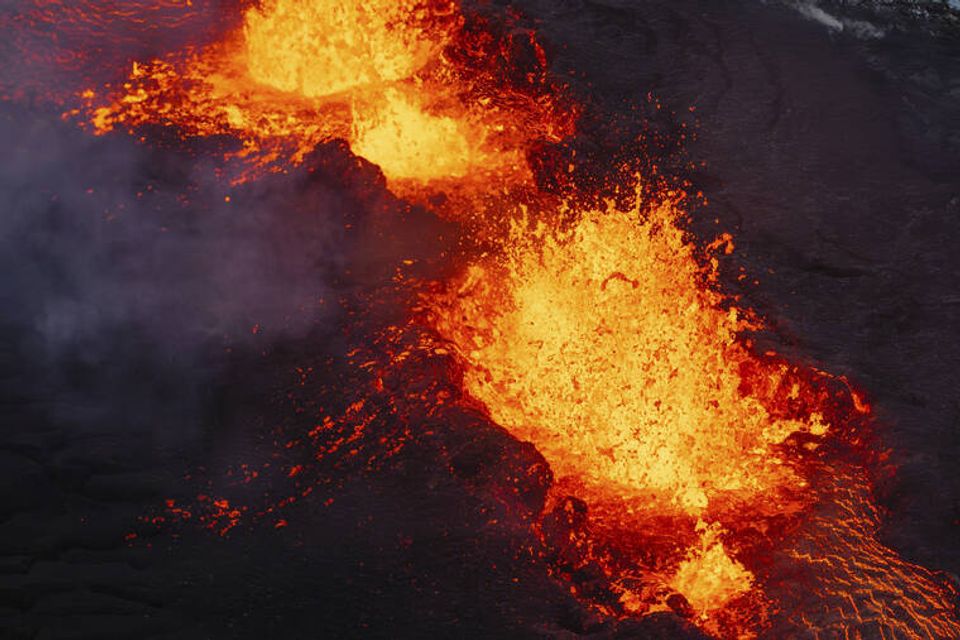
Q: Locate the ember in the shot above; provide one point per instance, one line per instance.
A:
(381, 74)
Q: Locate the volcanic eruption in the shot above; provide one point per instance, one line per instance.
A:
(407, 84)
(688, 471)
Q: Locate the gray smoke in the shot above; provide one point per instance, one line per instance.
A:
(132, 272)
(127, 276)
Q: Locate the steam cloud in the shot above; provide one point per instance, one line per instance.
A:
(127, 273)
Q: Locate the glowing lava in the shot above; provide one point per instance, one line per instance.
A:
(598, 336)
(410, 144)
(318, 49)
(717, 480)
(708, 577)
(381, 74)
(599, 343)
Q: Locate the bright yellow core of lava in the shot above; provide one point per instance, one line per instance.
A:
(600, 344)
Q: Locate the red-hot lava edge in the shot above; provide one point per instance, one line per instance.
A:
(676, 467)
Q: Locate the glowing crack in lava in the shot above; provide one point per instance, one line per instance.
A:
(403, 82)
(725, 485)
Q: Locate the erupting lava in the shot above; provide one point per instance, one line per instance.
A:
(319, 49)
(711, 473)
(723, 484)
(406, 83)
(598, 343)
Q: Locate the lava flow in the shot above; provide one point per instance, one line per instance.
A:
(692, 474)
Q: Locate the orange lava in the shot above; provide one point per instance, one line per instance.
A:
(403, 82)
(602, 340)
(599, 342)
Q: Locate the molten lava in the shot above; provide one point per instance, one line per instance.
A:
(598, 336)
(403, 82)
(599, 343)
(708, 578)
(318, 49)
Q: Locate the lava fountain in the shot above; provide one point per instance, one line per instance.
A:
(409, 86)
(711, 473)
